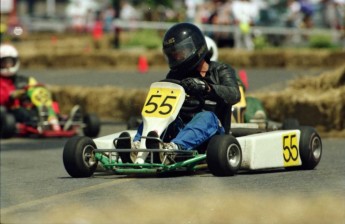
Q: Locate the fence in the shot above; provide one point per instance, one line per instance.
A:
(296, 33)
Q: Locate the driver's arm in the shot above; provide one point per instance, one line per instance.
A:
(225, 87)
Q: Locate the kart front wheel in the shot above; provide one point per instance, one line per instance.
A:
(92, 125)
(310, 147)
(224, 155)
(8, 125)
(79, 157)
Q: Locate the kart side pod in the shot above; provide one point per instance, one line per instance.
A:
(284, 148)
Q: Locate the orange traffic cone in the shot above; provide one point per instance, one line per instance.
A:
(243, 76)
(53, 39)
(143, 65)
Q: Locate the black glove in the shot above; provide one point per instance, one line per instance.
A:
(194, 86)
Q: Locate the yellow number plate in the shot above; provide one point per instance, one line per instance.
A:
(161, 102)
(41, 96)
(290, 149)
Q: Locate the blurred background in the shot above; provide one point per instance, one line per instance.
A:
(128, 23)
(118, 39)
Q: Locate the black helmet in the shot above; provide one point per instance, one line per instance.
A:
(184, 46)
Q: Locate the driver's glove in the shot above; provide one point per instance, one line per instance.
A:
(194, 86)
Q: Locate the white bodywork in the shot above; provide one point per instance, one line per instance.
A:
(267, 150)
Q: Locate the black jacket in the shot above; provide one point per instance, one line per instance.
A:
(224, 89)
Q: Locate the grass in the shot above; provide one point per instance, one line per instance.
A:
(149, 39)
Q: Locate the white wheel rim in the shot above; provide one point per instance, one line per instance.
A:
(316, 148)
(89, 156)
(233, 155)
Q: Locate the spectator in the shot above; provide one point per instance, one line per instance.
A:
(76, 15)
(307, 10)
(334, 13)
(294, 14)
(245, 13)
(128, 12)
(80, 14)
(191, 10)
(97, 31)
(108, 16)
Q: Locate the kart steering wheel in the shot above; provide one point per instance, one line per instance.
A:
(192, 104)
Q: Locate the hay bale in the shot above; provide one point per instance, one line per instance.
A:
(108, 102)
(327, 80)
(315, 101)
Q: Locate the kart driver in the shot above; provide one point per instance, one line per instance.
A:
(186, 51)
(12, 86)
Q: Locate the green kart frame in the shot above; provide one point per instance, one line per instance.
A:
(223, 158)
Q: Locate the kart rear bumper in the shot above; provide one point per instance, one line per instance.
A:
(24, 130)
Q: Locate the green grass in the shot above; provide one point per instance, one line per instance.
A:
(149, 39)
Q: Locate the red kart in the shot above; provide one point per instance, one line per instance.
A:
(45, 117)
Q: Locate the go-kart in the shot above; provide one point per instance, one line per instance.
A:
(222, 155)
(45, 117)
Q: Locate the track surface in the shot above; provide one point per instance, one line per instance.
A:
(273, 79)
(35, 186)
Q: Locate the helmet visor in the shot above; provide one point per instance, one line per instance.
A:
(7, 62)
(178, 53)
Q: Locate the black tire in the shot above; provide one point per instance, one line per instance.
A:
(290, 124)
(310, 146)
(224, 155)
(8, 125)
(78, 157)
(92, 125)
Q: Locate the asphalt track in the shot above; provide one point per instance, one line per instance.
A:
(35, 188)
(259, 79)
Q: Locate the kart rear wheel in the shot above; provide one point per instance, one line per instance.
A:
(92, 125)
(224, 155)
(7, 125)
(310, 147)
(79, 157)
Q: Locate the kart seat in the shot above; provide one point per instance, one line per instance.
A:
(225, 118)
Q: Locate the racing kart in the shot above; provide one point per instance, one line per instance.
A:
(45, 117)
(222, 155)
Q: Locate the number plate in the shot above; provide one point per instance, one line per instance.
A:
(161, 102)
(40, 96)
(290, 149)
